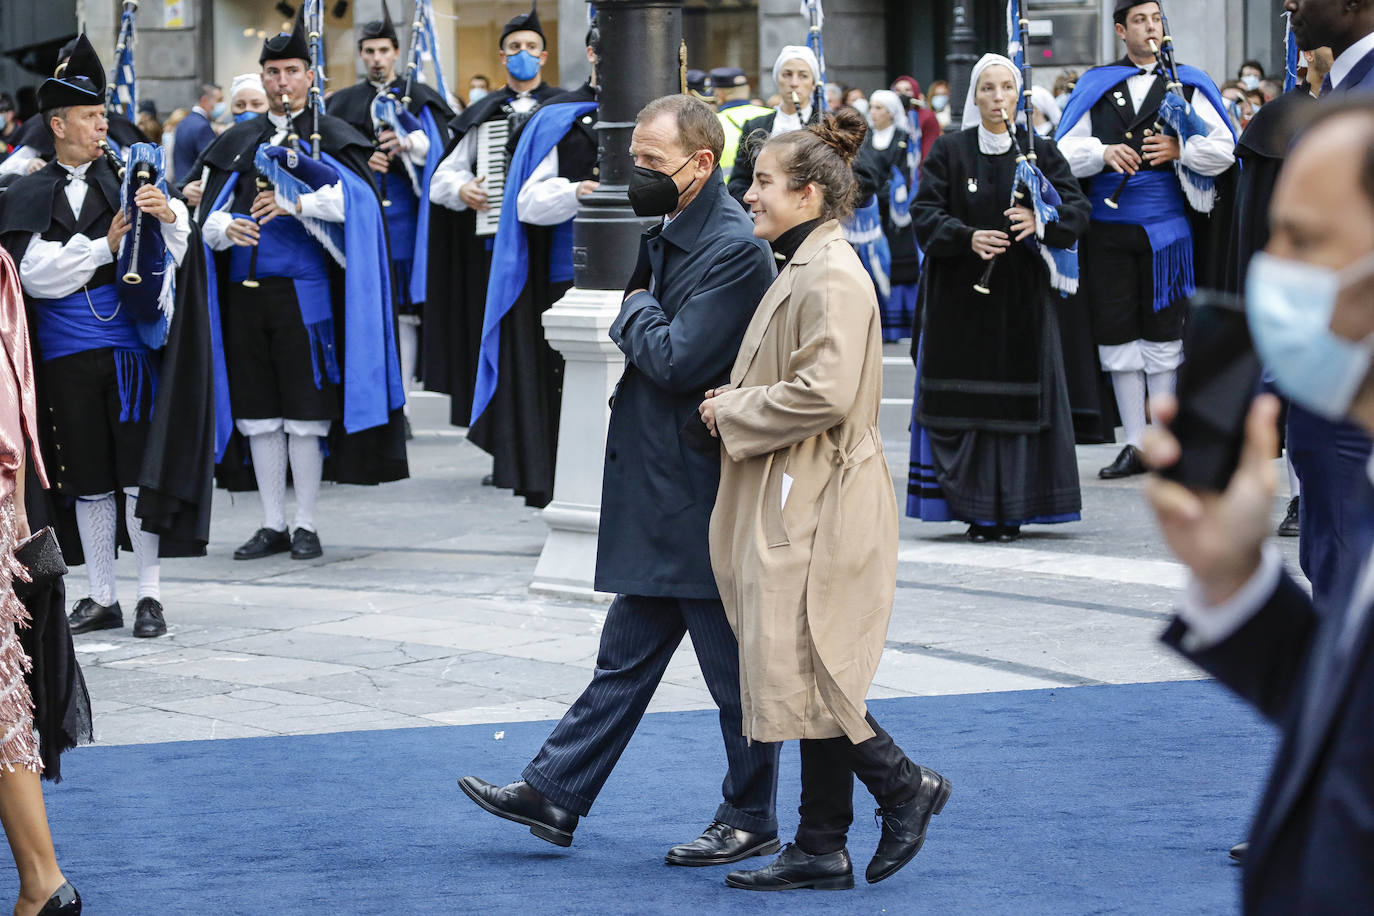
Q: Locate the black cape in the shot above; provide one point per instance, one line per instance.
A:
(519, 428)
(460, 263)
(370, 456)
(175, 485)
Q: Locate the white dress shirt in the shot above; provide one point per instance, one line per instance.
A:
(51, 270)
(547, 198)
(460, 166)
(17, 162)
(1341, 66)
(1210, 155)
(326, 204)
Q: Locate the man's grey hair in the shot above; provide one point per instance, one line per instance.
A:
(204, 90)
(698, 127)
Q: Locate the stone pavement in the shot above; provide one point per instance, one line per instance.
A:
(419, 614)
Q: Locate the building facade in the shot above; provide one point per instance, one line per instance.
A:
(867, 42)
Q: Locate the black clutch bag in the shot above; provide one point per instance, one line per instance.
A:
(42, 557)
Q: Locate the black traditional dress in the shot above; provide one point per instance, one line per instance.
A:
(890, 167)
(992, 439)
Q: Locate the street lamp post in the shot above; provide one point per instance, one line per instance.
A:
(959, 63)
(638, 63)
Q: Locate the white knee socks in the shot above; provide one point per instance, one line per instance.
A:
(408, 341)
(1129, 388)
(1294, 486)
(1161, 382)
(96, 518)
(269, 466)
(145, 545)
(307, 467)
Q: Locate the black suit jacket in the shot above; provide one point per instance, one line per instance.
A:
(681, 338)
(1312, 840)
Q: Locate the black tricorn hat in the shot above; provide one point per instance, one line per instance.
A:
(1125, 6)
(525, 22)
(80, 82)
(292, 45)
(379, 28)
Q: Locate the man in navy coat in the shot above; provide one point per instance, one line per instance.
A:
(1307, 665)
(1328, 457)
(195, 132)
(699, 279)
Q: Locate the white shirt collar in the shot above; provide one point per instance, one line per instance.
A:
(78, 171)
(1342, 66)
(278, 120)
(201, 111)
(993, 144)
(882, 138)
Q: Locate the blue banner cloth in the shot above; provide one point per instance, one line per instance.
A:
(510, 252)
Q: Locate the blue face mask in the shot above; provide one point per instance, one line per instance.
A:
(1289, 305)
(244, 116)
(938, 102)
(522, 66)
(218, 111)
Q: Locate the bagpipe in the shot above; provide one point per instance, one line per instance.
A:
(1030, 186)
(145, 268)
(1178, 119)
(291, 175)
(122, 95)
(314, 25)
(264, 183)
(424, 45)
(816, 22)
(390, 113)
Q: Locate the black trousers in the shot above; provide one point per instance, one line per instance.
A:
(1119, 280)
(93, 451)
(828, 768)
(637, 641)
(267, 349)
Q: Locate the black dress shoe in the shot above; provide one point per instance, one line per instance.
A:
(65, 901)
(305, 545)
(722, 844)
(1008, 533)
(88, 616)
(1290, 527)
(489, 481)
(1127, 464)
(794, 868)
(263, 544)
(1238, 853)
(410, 433)
(981, 534)
(148, 620)
(904, 827)
(520, 802)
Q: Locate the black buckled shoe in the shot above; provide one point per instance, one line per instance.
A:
(794, 868)
(87, 616)
(148, 620)
(981, 534)
(263, 543)
(1291, 526)
(522, 803)
(1127, 464)
(722, 844)
(305, 545)
(1238, 853)
(65, 901)
(904, 827)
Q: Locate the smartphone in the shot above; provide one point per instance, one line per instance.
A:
(1218, 380)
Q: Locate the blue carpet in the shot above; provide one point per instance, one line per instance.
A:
(1120, 799)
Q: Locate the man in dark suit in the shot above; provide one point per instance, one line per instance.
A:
(196, 131)
(699, 278)
(1307, 665)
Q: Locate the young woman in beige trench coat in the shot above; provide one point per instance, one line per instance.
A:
(804, 532)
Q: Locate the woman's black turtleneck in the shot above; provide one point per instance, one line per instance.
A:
(786, 245)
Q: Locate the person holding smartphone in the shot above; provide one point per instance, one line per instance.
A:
(1307, 663)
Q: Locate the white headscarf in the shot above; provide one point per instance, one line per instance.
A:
(245, 81)
(796, 52)
(1043, 99)
(889, 100)
(972, 116)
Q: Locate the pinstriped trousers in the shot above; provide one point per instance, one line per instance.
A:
(639, 637)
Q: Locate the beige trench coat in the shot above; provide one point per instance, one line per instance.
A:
(804, 532)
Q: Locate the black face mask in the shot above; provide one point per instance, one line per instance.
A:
(652, 193)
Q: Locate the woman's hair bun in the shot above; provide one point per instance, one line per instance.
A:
(843, 131)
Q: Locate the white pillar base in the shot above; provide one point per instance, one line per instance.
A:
(577, 327)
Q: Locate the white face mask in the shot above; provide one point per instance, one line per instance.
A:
(475, 95)
(1289, 305)
(1250, 81)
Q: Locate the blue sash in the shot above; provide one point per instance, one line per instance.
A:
(510, 259)
(93, 320)
(419, 268)
(1154, 201)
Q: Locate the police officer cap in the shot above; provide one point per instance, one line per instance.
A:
(699, 84)
(728, 77)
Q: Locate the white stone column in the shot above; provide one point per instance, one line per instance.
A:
(576, 326)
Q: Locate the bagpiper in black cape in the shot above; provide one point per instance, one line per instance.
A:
(460, 260)
(368, 456)
(518, 426)
(175, 483)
